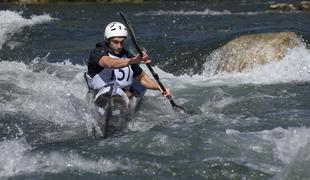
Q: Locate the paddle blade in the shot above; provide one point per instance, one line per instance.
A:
(178, 108)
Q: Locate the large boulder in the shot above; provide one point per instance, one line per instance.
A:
(247, 51)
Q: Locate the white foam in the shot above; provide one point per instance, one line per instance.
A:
(271, 150)
(12, 22)
(209, 12)
(17, 158)
(294, 67)
(45, 96)
(287, 142)
(167, 79)
(182, 12)
(56, 92)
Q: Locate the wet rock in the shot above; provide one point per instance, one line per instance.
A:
(301, 6)
(247, 51)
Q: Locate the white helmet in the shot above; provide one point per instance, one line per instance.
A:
(115, 29)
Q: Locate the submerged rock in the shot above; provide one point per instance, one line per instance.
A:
(247, 51)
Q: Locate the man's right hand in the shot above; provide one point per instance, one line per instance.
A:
(138, 59)
(167, 94)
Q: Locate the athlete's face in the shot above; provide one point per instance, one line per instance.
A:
(117, 44)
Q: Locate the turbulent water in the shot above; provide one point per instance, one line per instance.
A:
(246, 125)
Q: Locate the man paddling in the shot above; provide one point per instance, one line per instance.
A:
(111, 65)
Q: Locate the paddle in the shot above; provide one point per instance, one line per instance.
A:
(108, 114)
(133, 37)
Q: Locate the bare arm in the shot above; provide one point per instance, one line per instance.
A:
(116, 63)
(147, 82)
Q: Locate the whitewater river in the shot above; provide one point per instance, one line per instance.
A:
(246, 125)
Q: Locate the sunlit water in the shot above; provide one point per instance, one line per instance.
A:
(246, 125)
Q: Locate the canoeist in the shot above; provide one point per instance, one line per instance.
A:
(112, 67)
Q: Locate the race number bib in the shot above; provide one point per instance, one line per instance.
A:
(123, 76)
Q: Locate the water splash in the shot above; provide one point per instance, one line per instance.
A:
(186, 13)
(209, 12)
(287, 142)
(17, 158)
(12, 22)
(44, 94)
(293, 67)
(275, 145)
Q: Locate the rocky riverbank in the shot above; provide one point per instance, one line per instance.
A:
(298, 6)
(69, 1)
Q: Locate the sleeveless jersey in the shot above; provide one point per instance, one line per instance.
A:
(122, 77)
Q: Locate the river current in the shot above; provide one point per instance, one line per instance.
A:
(246, 125)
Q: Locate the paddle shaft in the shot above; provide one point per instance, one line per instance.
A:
(155, 75)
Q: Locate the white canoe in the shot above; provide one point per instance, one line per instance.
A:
(112, 113)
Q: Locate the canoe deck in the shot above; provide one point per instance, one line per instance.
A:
(113, 113)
